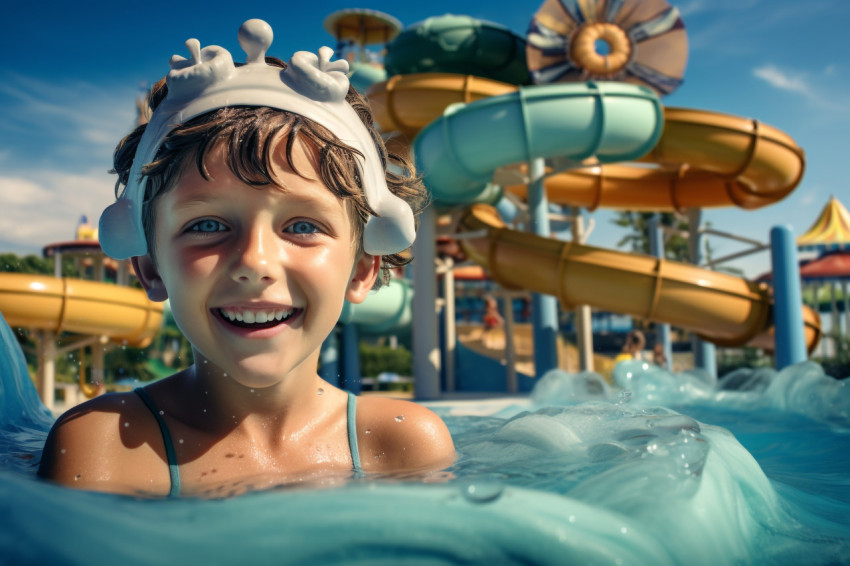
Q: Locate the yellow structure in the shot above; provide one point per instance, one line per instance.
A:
(725, 310)
(408, 103)
(97, 312)
(830, 230)
(703, 160)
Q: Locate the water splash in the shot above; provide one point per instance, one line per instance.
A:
(752, 469)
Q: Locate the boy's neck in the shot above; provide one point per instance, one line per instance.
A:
(288, 405)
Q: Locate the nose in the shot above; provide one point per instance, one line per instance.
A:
(256, 257)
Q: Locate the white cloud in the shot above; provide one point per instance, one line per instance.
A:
(74, 124)
(785, 80)
(692, 7)
(809, 198)
(56, 144)
(45, 207)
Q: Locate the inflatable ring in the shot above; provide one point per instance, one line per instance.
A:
(584, 54)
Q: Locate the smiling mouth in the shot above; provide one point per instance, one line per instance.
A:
(256, 319)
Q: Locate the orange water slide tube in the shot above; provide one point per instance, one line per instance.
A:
(86, 307)
(720, 308)
(408, 103)
(703, 159)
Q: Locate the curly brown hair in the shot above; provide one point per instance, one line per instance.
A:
(249, 136)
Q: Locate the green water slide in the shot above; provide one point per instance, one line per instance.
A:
(386, 311)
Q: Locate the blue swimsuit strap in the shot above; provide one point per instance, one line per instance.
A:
(170, 454)
(352, 435)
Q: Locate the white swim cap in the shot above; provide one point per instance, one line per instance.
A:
(311, 86)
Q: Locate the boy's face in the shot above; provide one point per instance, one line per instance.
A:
(256, 276)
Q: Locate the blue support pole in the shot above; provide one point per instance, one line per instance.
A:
(544, 308)
(329, 358)
(705, 354)
(787, 297)
(656, 248)
(350, 359)
(426, 354)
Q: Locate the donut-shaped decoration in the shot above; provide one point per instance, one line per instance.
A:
(636, 41)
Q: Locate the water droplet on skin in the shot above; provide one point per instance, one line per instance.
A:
(483, 491)
(399, 418)
(252, 391)
(367, 431)
(180, 441)
(225, 375)
(62, 451)
(126, 425)
(162, 412)
(77, 477)
(320, 391)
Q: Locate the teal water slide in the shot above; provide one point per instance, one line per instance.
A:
(459, 153)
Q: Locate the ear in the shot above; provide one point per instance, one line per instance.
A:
(363, 277)
(148, 276)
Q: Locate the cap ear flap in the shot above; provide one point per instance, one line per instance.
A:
(148, 275)
(363, 276)
(120, 232)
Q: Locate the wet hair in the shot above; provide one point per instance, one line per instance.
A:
(250, 136)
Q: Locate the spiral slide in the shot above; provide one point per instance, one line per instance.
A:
(84, 307)
(749, 164)
(703, 159)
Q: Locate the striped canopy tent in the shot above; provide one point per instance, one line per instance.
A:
(829, 235)
(831, 230)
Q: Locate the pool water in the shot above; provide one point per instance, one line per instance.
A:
(659, 469)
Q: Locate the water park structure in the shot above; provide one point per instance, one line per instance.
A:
(748, 470)
(483, 109)
(580, 141)
(94, 311)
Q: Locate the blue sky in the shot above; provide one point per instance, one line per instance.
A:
(69, 77)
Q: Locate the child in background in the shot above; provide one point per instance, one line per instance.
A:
(257, 199)
(635, 343)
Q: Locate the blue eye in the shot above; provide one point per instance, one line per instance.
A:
(302, 227)
(208, 225)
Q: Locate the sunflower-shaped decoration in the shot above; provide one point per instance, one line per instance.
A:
(635, 41)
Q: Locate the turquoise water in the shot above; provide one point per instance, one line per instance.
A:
(661, 469)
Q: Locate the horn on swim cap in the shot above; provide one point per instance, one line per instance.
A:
(312, 86)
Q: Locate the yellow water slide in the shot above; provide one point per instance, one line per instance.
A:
(703, 159)
(62, 304)
(722, 309)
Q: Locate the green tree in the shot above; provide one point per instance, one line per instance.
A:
(11, 263)
(675, 245)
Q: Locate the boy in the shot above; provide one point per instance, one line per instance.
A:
(257, 199)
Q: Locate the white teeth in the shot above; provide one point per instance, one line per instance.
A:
(256, 317)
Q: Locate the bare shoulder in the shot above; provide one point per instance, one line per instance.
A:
(396, 435)
(100, 444)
